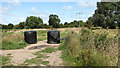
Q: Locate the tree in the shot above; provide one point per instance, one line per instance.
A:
(54, 21)
(88, 24)
(106, 14)
(0, 26)
(118, 13)
(21, 25)
(10, 26)
(26, 27)
(61, 25)
(33, 22)
(17, 27)
(65, 23)
(4, 26)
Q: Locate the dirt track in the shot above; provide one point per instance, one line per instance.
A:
(20, 55)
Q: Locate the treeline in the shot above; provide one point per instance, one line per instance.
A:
(33, 22)
(107, 15)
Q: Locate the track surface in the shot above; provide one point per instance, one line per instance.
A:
(19, 56)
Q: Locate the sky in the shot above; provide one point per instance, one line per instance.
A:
(17, 11)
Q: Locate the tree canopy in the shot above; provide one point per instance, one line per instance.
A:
(106, 15)
(10, 26)
(54, 20)
(33, 22)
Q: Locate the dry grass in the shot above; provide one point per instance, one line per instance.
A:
(13, 41)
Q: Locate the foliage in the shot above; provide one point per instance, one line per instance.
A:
(88, 24)
(75, 24)
(26, 27)
(106, 15)
(33, 22)
(54, 20)
(21, 25)
(80, 49)
(10, 26)
(4, 26)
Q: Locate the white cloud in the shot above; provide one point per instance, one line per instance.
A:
(1, 20)
(34, 11)
(93, 12)
(44, 16)
(88, 4)
(67, 7)
(4, 10)
(89, 16)
(22, 19)
(14, 2)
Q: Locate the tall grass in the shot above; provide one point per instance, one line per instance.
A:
(90, 49)
(13, 41)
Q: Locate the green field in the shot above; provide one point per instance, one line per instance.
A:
(15, 40)
(85, 47)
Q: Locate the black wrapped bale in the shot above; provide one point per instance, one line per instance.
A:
(30, 37)
(53, 37)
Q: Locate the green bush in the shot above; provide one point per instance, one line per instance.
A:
(26, 27)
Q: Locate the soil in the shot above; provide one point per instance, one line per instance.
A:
(19, 56)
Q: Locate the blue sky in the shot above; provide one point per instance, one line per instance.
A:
(18, 11)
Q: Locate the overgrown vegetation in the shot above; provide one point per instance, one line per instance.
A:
(90, 48)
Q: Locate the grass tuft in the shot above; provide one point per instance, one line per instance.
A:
(48, 50)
